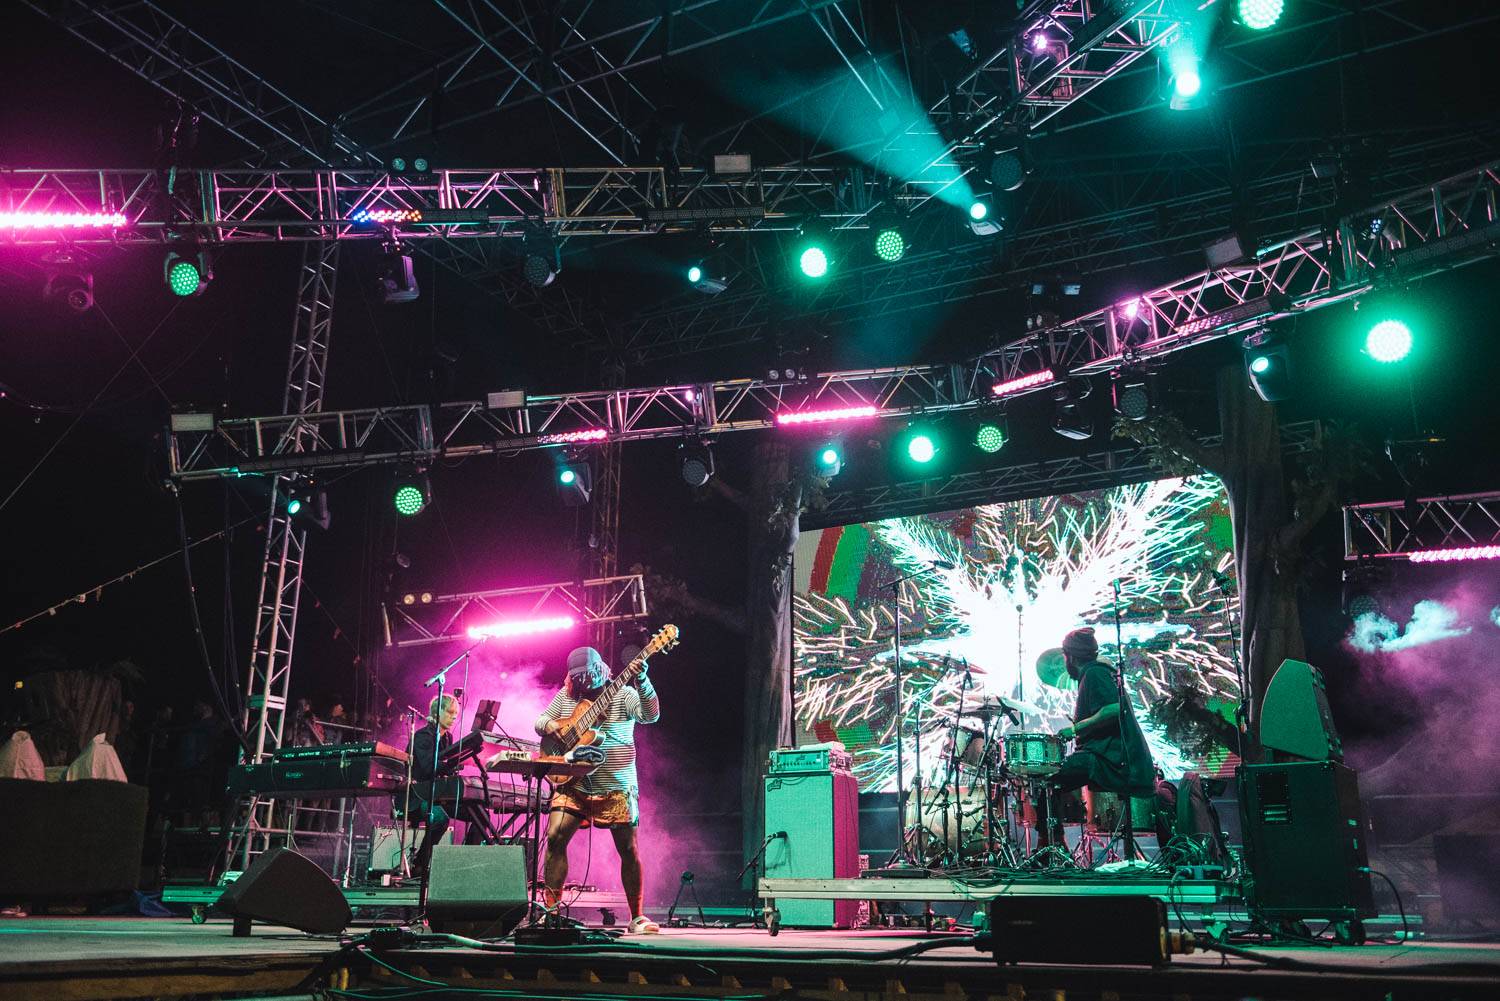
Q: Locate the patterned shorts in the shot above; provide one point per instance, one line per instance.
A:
(611, 809)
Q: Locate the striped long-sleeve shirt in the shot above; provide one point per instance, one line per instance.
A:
(616, 734)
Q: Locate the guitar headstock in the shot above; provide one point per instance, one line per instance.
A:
(664, 640)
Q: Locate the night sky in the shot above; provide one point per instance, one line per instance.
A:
(82, 466)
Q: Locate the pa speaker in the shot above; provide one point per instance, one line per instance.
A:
(284, 888)
(1119, 931)
(1305, 834)
(477, 890)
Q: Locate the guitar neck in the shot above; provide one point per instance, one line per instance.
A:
(601, 704)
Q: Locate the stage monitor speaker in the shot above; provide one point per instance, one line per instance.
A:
(1294, 716)
(285, 888)
(1305, 835)
(477, 890)
(819, 812)
(1119, 931)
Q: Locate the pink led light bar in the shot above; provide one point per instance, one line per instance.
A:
(569, 437)
(826, 416)
(522, 627)
(387, 215)
(59, 220)
(1031, 381)
(1453, 555)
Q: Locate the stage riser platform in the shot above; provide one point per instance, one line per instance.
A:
(90, 959)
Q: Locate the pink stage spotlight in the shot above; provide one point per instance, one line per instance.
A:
(59, 220)
(522, 627)
(1031, 381)
(1453, 555)
(1039, 42)
(1130, 308)
(826, 416)
(688, 396)
(569, 437)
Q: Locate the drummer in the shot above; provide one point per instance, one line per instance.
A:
(1102, 757)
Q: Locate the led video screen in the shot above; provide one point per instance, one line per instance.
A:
(1023, 573)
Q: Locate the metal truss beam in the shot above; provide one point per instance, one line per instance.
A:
(270, 667)
(412, 621)
(583, 73)
(1087, 216)
(166, 53)
(1093, 471)
(160, 49)
(1398, 530)
(1425, 230)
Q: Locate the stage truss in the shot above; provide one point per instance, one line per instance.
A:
(417, 618)
(1427, 230)
(1399, 530)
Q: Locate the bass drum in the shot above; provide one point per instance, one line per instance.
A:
(963, 808)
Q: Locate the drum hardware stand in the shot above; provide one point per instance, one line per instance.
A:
(895, 586)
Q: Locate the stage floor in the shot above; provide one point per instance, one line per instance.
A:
(93, 958)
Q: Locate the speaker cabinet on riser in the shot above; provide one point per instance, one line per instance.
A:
(1305, 833)
(819, 812)
(284, 888)
(477, 890)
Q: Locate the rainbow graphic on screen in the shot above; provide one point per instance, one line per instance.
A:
(1024, 573)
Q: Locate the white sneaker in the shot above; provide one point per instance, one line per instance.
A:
(642, 925)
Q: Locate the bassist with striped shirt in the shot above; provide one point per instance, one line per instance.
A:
(609, 797)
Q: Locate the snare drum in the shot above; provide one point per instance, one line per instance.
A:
(1033, 755)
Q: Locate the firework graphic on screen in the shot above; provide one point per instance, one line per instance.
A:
(1024, 573)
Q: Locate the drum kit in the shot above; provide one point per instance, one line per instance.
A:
(981, 814)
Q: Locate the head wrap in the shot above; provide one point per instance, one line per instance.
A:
(1080, 644)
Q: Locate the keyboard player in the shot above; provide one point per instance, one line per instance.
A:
(438, 731)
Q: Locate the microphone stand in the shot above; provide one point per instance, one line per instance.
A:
(903, 851)
(1129, 810)
(437, 740)
(754, 864)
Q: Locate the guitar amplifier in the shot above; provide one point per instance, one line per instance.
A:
(1294, 715)
(803, 760)
(819, 813)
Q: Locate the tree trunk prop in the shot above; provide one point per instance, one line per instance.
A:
(775, 505)
(1251, 468)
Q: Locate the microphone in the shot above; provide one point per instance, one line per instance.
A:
(779, 834)
(941, 564)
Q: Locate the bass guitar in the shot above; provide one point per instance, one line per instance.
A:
(577, 730)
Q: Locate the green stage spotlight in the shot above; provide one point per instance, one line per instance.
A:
(921, 448)
(813, 261)
(990, 438)
(411, 496)
(293, 506)
(978, 210)
(830, 460)
(890, 245)
(1388, 341)
(1258, 15)
(695, 274)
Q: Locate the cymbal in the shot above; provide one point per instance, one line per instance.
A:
(996, 706)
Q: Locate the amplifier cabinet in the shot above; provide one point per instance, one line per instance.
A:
(1305, 834)
(820, 815)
